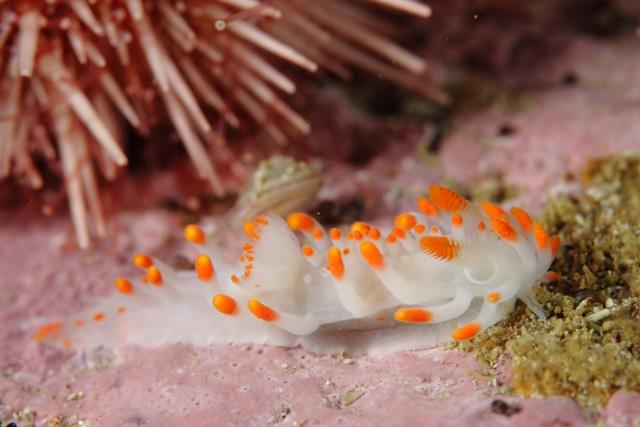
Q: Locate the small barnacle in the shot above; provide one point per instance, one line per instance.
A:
(346, 398)
(76, 395)
(501, 407)
(280, 414)
(280, 184)
(26, 416)
(599, 315)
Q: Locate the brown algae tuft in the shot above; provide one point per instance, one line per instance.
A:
(590, 345)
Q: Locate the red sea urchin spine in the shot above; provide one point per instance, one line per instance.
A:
(71, 69)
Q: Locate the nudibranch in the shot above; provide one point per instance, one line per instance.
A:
(449, 270)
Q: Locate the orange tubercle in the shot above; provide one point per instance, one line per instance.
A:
(335, 234)
(262, 220)
(552, 276)
(360, 226)
(503, 229)
(466, 332)
(522, 217)
(204, 267)
(405, 221)
(426, 207)
(142, 261)
(456, 220)
(419, 228)
(124, 286)
(334, 263)
(540, 235)
(440, 247)
(224, 304)
(413, 315)
(250, 230)
(52, 328)
(492, 210)
(98, 316)
(300, 221)
(317, 234)
(261, 311)
(493, 296)
(446, 199)
(374, 233)
(481, 226)
(154, 276)
(371, 254)
(399, 233)
(194, 234)
(307, 250)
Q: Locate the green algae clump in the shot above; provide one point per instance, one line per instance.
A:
(590, 346)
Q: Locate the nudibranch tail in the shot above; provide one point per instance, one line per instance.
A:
(449, 270)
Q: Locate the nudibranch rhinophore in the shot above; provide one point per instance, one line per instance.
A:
(447, 271)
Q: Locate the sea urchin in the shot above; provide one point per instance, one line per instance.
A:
(73, 69)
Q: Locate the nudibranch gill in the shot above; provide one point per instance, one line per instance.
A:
(449, 270)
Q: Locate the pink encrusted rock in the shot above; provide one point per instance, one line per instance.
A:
(553, 132)
(256, 385)
(44, 275)
(623, 409)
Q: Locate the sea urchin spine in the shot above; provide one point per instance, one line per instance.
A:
(71, 69)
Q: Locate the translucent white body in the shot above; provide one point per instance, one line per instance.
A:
(448, 273)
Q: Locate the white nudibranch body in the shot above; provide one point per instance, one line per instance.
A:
(447, 271)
